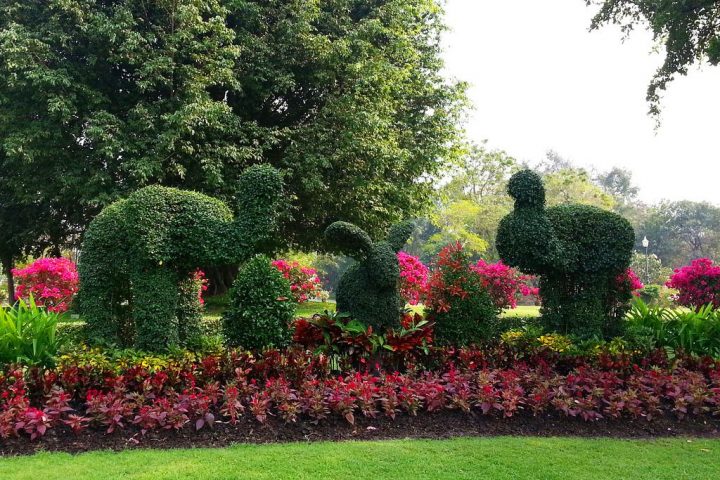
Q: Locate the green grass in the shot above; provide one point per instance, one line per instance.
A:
(466, 458)
(308, 309)
(522, 311)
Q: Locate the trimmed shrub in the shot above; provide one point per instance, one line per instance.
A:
(578, 250)
(139, 256)
(261, 307)
(458, 302)
(369, 290)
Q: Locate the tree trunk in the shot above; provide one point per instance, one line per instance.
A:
(7, 265)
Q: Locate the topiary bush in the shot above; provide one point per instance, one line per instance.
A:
(261, 307)
(139, 256)
(578, 250)
(369, 290)
(458, 301)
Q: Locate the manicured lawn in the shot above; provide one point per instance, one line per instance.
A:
(308, 309)
(522, 311)
(492, 458)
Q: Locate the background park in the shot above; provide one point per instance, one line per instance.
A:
(314, 239)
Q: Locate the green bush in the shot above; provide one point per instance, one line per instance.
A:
(696, 332)
(261, 307)
(458, 303)
(139, 257)
(578, 251)
(369, 289)
(28, 334)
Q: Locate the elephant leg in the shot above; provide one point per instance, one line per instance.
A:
(95, 304)
(155, 298)
(189, 308)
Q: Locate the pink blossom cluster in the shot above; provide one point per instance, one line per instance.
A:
(698, 283)
(53, 282)
(413, 278)
(505, 284)
(304, 281)
(202, 284)
(629, 281)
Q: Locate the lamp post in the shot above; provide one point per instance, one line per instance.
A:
(646, 244)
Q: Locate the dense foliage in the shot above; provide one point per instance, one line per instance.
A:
(344, 96)
(458, 301)
(28, 334)
(578, 251)
(138, 251)
(694, 332)
(689, 31)
(369, 289)
(261, 306)
(52, 282)
(142, 394)
(304, 281)
(698, 284)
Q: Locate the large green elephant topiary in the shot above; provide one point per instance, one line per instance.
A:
(139, 255)
(579, 252)
(369, 289)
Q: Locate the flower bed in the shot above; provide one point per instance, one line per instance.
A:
(138, 395)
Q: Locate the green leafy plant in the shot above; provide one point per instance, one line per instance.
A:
(261, 307)
(28, 334)
(696, 332)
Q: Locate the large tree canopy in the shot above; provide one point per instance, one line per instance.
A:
(99, 98)
(688, 29)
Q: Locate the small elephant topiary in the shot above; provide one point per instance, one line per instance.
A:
(369, 289)
(140, 254)
(579, 252)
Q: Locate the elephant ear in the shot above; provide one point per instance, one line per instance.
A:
(348, 239)
(399, 234)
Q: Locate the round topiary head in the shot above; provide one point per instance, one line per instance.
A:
(527, 189)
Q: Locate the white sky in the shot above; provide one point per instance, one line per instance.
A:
(540, 80)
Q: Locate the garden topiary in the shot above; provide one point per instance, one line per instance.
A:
(369, 290)
(139, 256)
(579, 252)
(261, 307)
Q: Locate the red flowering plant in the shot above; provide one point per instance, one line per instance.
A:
(413, 278)
(52, 282)
(698, 284)
(628, 281)
(504, 284)
(201, 283)
(304, 281)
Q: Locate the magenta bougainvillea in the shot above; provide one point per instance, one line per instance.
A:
(413, 278)
(52, 282)
(505, 284)
(629, 281)
(698, 284)
(304, 281)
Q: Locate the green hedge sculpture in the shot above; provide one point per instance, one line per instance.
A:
(139, 254)
(368, 290)
(578, 251)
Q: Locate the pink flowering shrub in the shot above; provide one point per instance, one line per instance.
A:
(413, 278)
(53, 282)
(505, 284)
(201, 282)
(698, 284)
(304, 281)
(629, 281)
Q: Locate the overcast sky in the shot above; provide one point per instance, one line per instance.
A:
(540, 80)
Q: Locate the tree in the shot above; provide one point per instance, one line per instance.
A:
(689, 31)
(682, 231)
(574, 185)
(346, 97)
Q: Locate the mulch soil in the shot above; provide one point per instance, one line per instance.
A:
(440, 425)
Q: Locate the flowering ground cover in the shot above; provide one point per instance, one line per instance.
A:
(467, 458)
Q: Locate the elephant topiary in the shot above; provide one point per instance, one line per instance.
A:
(579, 252)
(369, 290)
(140, 254)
